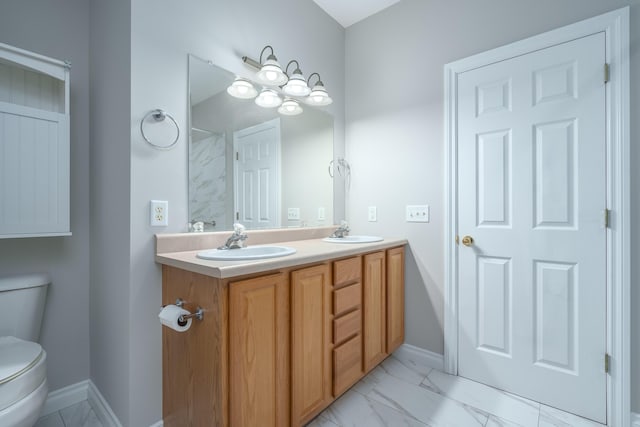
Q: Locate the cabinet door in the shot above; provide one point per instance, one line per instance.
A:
(310, 342)
(259, 352)
(395, 298)
(373, 301)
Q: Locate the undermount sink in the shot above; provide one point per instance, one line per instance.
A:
(250, 253)
(353, 239)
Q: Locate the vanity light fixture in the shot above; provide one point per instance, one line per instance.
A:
(318, 95)
(270, 73)
(268, 98)
(297, 85)
(290, 107)
(242, 88)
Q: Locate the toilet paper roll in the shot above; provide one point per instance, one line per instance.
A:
(169, 316)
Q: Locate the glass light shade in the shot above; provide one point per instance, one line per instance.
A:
(271, 73)
(297, 85)
(241, 88)
(318, 96)
(268, 98)
(290, 107)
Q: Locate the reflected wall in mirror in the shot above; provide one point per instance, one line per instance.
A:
(249, 164)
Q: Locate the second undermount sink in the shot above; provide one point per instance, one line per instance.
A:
(353, 239)
(243, 254)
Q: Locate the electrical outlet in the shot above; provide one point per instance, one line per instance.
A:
(159, 210)
(373, 214)
(417, 213)
(293, 214)
(321, 214)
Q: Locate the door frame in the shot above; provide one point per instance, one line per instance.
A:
(615, 25)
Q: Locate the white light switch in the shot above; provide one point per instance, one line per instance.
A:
(159, 213)
(293, 214)
(417, 213)
(373, 214)
(321, 214)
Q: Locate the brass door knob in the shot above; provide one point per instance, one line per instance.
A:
(467, 240)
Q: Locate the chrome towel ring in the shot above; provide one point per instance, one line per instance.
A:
(159, 115)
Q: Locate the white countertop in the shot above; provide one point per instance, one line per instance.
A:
(307, 252)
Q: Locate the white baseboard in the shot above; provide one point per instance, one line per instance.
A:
(158, 424)
(65, 397)
(420, 356)
(79, 392)
(635, 419)
(100, 406)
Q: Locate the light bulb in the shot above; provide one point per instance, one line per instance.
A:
(290, 107)
(271, 75)
(241, 88)
(268, 99)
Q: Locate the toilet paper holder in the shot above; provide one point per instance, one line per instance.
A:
(182, 320)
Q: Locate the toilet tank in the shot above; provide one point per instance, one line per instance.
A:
(22, 301)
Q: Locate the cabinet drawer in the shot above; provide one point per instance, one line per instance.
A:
(347, 364)
(346, 299)
(347, 271)
(347, 326)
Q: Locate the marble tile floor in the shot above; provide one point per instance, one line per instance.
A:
(78, 415)
(402, 393)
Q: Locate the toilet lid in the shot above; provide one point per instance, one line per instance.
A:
(16, 357)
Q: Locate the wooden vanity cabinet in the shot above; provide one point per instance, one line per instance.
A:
(374, 301)
(347, 323)
(395, 299)
(310, 342)
(275, 349)
(258, 351)
(195, 364)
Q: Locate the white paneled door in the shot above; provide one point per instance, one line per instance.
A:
(532, 197)
(257, 175)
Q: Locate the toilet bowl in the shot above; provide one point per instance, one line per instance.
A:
(23, 382)
(23, 372)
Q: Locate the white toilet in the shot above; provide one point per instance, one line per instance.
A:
(23, 372)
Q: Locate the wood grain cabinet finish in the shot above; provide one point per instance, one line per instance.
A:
(347, 364)
(347, 324)
(395, 298)
(310, 342)
(195, 362)
(374, 306)
(275, 349)
(258, 352)
(347, 272)
(347, 299)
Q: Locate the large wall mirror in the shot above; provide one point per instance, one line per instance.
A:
(249, 164)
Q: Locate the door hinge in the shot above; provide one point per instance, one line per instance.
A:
(606, 73)
(607, 362)
(237, 155)
(607, 218)
(237, 216)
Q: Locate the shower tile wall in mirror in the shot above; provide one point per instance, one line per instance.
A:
(249, 164)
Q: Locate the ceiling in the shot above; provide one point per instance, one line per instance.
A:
(348, 12)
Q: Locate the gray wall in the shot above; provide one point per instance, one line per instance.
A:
(60, 30)
(395, 137)
(110, 318)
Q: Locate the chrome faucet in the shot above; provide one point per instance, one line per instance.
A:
(341, 231)
(236, 240)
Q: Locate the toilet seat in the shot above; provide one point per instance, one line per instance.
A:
(22, 369)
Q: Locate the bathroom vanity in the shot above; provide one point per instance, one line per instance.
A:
(281, 338)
